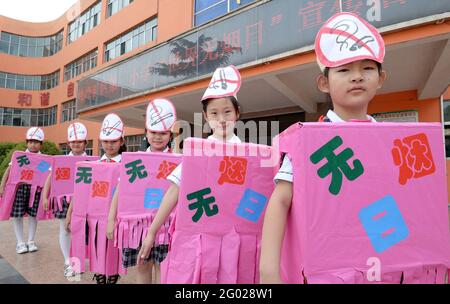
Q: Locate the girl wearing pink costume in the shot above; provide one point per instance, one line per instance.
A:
(34, 139)
(76, 139)
(351, 75)
(160, 118)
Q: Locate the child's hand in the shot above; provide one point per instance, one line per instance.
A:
(67, 225)
(110, 229)
(146, 248)
(45, 202)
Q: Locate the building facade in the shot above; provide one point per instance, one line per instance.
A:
(107, 56)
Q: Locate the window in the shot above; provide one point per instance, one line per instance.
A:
(30, 46)
(29, 82)
(446, 115)
(81, 65)
(84, 23)
(116, 5)
(69, 111)
(134, 142)
(207, 10)
(133, 39)
(27, 117)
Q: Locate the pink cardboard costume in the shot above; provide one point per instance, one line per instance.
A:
(62, 182)
(95, 184)
(29, 168)
(369, 204)
(142, 187)
(221, 205)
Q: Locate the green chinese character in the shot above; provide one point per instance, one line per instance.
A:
(337, 164)
(23, 160)
(202, 204)
(135, 170)
(84, 175)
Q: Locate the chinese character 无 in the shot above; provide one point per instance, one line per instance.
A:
(84, 175)
(202, 204)
(135, 170)
(337, 164)
(23, 160)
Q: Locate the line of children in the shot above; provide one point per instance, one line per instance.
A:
(76, 139)
(34, 139)
(160, 118)
(350, 52)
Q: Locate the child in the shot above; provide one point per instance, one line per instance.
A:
(349, 53)
(34, 139)
(113, 143)
(160, 118)
(76, 139)
(221, 111)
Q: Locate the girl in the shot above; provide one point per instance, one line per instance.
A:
(351, 74)
(113, 143)
(160, 118)
(34, 139)
(76, 139)
(221, 111)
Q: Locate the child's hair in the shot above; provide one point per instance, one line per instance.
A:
(326, 72)
(231, 98)
(123, 147)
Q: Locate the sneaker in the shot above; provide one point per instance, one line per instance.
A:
(68, 271)
(32, 246)
(21, 248)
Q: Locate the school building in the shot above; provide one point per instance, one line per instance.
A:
(106, 56)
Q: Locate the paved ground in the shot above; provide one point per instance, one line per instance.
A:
(42, 267)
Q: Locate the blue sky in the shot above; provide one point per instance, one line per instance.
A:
(37, 10)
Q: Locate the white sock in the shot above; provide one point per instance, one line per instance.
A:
(18, 228)
(64, 241)
(32, 226)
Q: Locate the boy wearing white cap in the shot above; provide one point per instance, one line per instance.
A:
(350, 52)
(76, 139)
(34, 139)
(221, 110)
(160, 118)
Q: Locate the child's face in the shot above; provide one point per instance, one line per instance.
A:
(221, 116)
(77, 147)
(34, 146)
(352, 86)
(158, 140)
(112, 147)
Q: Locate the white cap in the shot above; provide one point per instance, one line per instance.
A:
(160, 115)
(112, 128)
(35, 133)
(76, 132)
(224, 82)
(346, 38)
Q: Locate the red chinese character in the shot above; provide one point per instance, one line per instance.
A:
(254, 32)
(100, 189)
(413, 157)
(388, 3)
(311, 14)
(276, 19)
(70, 89)
(233, 170)
(165, 168)
(62, 173)
(25, 99)
(45, 99)
(26, 174)
(352, 6)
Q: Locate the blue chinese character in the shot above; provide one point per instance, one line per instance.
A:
(384, 223)
(251, 205)
(153, 198)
